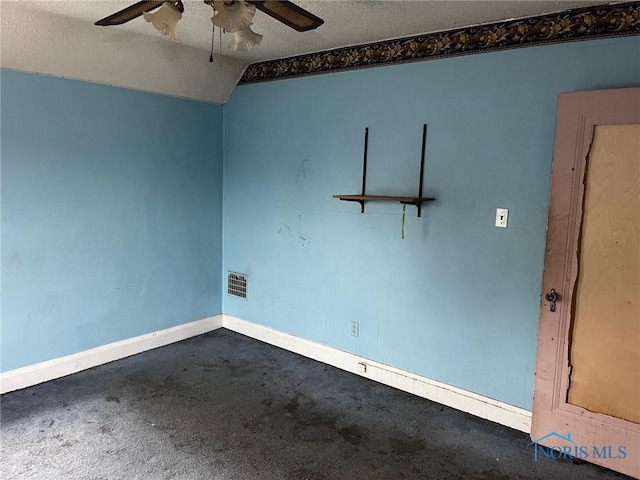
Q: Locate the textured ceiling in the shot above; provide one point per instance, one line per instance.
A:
(58, 37)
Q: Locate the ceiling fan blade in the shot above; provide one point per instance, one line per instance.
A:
(129, 13)
(288, 13)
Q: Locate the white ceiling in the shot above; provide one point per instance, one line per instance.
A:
(58, 37)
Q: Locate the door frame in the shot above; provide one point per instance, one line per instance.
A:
(578, 114)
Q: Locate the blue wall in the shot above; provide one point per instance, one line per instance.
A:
(458, 299)
(111, 215)
(112, 205)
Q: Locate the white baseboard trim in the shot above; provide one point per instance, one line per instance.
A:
(473, 403)
(478, 405)
(63, 366)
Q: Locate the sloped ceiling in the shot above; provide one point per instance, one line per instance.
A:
(57, 37)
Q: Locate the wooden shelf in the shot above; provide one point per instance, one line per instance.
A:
(384, 198)
(416, 201)
(363, 197)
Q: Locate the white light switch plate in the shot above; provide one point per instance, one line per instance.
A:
(501, 217)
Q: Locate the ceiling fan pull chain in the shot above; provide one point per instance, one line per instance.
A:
(213, 36)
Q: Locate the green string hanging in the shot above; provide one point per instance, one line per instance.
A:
(404, 208)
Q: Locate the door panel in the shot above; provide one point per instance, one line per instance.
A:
(605, 335)
(580, 115)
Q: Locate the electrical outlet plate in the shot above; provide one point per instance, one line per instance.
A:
(355, 329)
(501, 217)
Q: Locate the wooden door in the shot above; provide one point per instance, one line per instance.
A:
(587, 391)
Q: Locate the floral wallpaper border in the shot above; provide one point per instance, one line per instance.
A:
(573, 25)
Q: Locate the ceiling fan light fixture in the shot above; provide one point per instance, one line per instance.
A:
(246, 39)
(233, 16)
(165, 19)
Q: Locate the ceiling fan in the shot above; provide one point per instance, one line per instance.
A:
(231, 16)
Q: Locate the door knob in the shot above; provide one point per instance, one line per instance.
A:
(552, 297)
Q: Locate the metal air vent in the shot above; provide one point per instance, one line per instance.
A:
(237, 285)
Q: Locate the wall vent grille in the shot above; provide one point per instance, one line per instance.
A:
(237, 285)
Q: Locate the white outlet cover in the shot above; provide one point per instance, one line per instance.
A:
(502, 214)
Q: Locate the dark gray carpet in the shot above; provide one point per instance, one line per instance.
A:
(222, 406)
